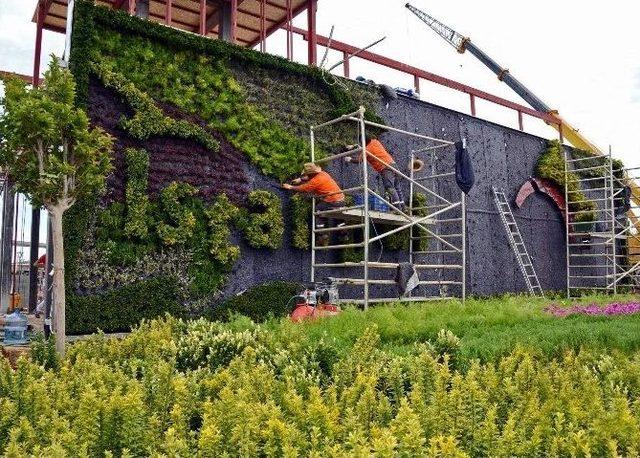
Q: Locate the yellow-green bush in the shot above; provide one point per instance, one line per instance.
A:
(206, 389)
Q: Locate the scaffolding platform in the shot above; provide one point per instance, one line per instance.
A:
(387, 218)
(442, 268)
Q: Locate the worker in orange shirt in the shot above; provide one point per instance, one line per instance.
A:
(319, 183)
(380, 162)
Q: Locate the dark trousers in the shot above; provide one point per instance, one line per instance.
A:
(392, 186)
(328, 221)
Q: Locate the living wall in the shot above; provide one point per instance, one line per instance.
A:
(195, 121)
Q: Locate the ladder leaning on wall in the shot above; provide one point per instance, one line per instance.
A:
(517, 243)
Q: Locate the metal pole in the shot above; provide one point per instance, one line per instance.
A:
(411, 190)
(313, 215)
(613, 226)
(33, 258)
(472, 99)
(167, 13)
(8, 212)
(346, 68)
(567, 223)
(289, 31)
(234, 20)
(203, 17)
(520, 121)
(263, 37)
(365, 175)
(463, 208)
(416, 83)
(311, 28)
(48, 282)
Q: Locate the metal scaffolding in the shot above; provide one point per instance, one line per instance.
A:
(591, 228)
(441, 219)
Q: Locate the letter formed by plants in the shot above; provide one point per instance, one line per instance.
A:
(52, 155)
(173, 201)
(262, 225)
(137, 201)
(220, 214)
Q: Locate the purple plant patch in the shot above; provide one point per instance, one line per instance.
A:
(594, 310)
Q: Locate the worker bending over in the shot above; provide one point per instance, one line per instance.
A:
(380, 159)
(319, 183)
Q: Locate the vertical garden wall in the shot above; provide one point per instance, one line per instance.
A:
(204, 131)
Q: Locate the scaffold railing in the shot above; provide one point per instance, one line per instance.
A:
(592, 233)
(442, 220)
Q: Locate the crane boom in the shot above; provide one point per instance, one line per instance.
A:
(463, 44)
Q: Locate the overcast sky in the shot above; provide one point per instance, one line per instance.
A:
(582, 58)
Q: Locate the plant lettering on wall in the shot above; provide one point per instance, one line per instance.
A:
(180, 220)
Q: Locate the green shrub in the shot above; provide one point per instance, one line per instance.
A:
(137, 201)
(178, 212)
(300, 222)
(174, 388)
(551, 166)
(149, 120)
(261, 223)
(120, 309)
(220, 215)
(260, 302)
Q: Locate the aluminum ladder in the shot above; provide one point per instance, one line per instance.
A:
(517, 244)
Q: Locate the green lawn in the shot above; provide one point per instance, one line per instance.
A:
(488, 328)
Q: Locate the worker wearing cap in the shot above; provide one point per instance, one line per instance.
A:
(316, 181)
(319, 183)
(380, 160)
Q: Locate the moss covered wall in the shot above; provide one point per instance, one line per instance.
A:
(200, 126)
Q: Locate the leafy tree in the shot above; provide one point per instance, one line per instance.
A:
(49, 151)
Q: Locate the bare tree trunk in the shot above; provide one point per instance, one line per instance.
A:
(58, 279)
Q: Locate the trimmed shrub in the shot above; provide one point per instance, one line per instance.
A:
(260, 302)
(300, 222)
(120, 309)
(220, 215)
(137, 201)
(261, 222)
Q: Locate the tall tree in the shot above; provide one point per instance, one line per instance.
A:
(53, 156)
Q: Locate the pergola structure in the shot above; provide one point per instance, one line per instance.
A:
(244, 22)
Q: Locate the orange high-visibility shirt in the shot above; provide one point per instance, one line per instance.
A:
(377, 149)
(324, 186)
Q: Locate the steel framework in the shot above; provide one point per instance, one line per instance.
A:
(451, 246)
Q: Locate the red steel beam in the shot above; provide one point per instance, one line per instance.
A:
(276, 25)
(25, 78)
(168, 12)
(312, 36)
(203, 17)
(132, 7)
(234, 19)
(43, 8)
(396, 65)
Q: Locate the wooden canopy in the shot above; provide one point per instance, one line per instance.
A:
(255, 19)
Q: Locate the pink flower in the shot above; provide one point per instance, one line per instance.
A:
(594, 309)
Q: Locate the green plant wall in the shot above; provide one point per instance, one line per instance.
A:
(180, 87)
